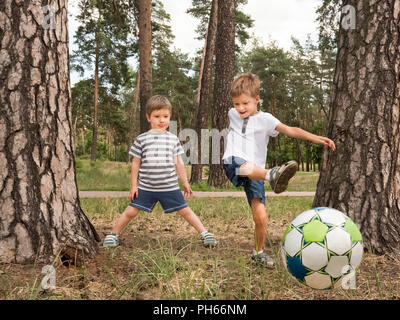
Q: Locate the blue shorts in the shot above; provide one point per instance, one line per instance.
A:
(170, 200)
(253, 188)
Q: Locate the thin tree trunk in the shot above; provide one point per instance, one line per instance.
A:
(132, 115)
(83, 141)
(308, 156)
(41, 216)
(74, 133)
(361, 178)
(224, 73)
(145, 61)
(204, 90)
(93, 153)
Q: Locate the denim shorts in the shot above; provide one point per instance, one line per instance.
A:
(170, 200)
(253, 188)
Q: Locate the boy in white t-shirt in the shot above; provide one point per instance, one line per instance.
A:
(246, 152)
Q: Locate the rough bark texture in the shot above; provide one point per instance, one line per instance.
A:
(224, 73)
(361, 178)
(203, 109)
(146, 87)
(39, 203)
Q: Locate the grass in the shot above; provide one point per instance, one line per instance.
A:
(115, 176)
(103, 175)
(160, 257)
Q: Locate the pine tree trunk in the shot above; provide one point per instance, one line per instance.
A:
(145, 62)
(361, 178)
(204, 91)
(93, 153)
(39, 202)
(83, 141)
(132, 116)
(224, 73)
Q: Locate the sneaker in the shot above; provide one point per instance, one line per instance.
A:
(111, 240)
(208, 240)
(280, 176)
(262, 259)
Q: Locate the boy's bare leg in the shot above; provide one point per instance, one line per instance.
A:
(278, 177)
(125, 217)
(191, 217)
(207, 238)
(251, 170)
(260, 219)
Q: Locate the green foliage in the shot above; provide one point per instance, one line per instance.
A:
(200, 9)
(295, 83)
(328, 18)
(105, 30)
(111, 27)
(172, 79)
(295, 88)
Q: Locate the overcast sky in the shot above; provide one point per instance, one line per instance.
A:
(273, 20)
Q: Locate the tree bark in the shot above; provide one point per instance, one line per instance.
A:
(203, 108)
(93, 153)
(224, 73)
(361, 178)
(145, 60)
(132, 116)
(83, 141)
(41, 216)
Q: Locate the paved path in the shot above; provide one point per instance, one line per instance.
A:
(197, 194)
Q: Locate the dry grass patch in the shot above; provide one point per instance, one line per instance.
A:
(161, 257)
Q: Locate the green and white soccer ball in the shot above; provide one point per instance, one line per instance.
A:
(321, 246)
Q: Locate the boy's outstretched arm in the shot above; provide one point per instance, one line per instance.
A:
(299, 133)
(181, 172)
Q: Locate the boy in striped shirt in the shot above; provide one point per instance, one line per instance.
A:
(156, 166)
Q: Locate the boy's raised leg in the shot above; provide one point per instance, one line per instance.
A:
(278, 177)
(251, 170)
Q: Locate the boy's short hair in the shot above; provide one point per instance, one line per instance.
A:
(248, 83)
(157, 102)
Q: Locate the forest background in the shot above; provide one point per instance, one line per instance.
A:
(295, 78)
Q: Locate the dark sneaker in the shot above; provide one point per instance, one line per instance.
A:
(208, 240)
(280, 176)
(111, 240)
(263, 259)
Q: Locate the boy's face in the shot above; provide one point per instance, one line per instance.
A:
(246, 105)
(159, 119)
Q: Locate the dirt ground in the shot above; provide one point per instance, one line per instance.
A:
(129, 272)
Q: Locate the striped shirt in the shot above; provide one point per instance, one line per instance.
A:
(157, 152)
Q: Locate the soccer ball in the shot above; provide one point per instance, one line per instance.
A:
(321, 246)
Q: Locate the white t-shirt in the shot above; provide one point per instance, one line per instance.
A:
(248, 138)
